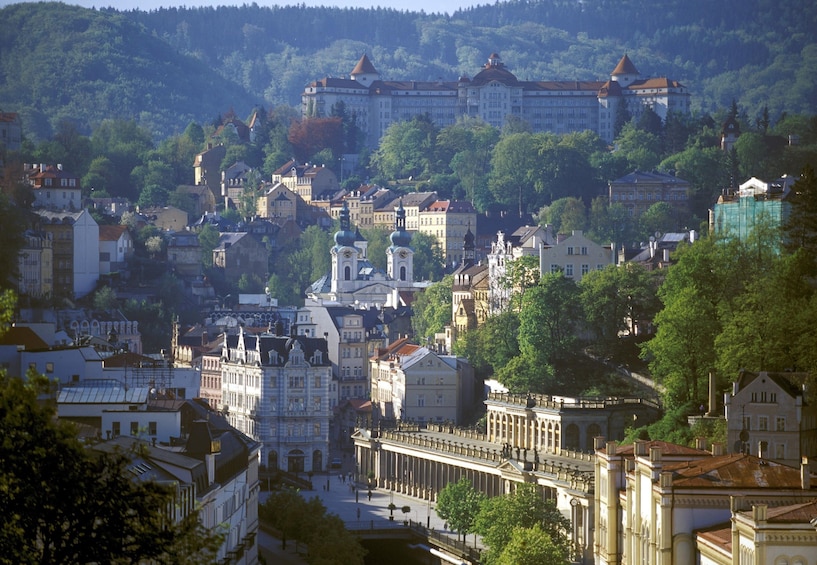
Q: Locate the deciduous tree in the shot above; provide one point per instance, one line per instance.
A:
(458, 504)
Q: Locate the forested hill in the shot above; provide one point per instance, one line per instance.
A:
(169, 66)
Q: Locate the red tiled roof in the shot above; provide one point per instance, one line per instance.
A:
(625, 67)
(111, 233)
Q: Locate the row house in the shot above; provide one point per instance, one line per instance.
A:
(469, 293)
(353, 335)
(35, 265)
(413, 383)
(184, 254)
(309, 181)
(448, 221)
(75, 244)
(207, 169)
(276, 390)
(166, 218)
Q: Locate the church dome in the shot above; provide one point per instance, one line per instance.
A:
(345, 237)
(400, 237)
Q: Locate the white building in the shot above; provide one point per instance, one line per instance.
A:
(276, 390)
(523, 242)
(214, 467)
(495, 95)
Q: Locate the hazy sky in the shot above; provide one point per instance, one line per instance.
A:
(448, 6)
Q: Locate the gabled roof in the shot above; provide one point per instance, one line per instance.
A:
(790, 383)
(111, 233)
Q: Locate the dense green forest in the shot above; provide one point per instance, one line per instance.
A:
(168, 67)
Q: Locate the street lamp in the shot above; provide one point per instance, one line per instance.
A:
(428, 508)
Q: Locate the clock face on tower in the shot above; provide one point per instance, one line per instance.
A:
(347, 254)
(403, 254)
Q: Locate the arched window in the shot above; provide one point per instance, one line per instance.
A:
(402, 272)
(347, 273)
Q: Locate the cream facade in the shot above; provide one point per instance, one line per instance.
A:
(575, 256)
(413, 383)
(652, 497)
(448, 221)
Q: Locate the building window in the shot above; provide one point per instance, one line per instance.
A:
(134, 428)
(780, 451)
(421, 400)
(317, 381)
(316, 404)
(316, 429)
(763, 423)
(49, 367)
(585, 269)
(568, 270)
(152, 428)
(296, 381)
(116, 429)
(780, 424)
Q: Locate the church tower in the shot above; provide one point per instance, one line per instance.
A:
(344, 256)
(399, 256)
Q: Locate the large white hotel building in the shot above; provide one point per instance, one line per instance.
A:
(494, 95)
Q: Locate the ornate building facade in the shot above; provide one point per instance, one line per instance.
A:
(495, 95)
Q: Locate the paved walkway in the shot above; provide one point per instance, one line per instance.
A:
(358, 512)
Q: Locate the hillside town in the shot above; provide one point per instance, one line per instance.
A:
(174, 331)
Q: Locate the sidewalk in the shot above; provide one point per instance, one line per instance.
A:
(358, 512)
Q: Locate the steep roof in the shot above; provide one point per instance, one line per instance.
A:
(364, 67)
(625, 67)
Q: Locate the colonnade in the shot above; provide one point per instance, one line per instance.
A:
(525, 431)
(418, 475)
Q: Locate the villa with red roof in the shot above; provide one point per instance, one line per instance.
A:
(495, 95)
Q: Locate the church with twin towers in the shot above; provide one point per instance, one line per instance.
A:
(354, 281)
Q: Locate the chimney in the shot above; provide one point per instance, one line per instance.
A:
(598, 443)
(762, 446)
(701, 443)
(640, 447)
(805, 474)
(759, 512)
(718, 449)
